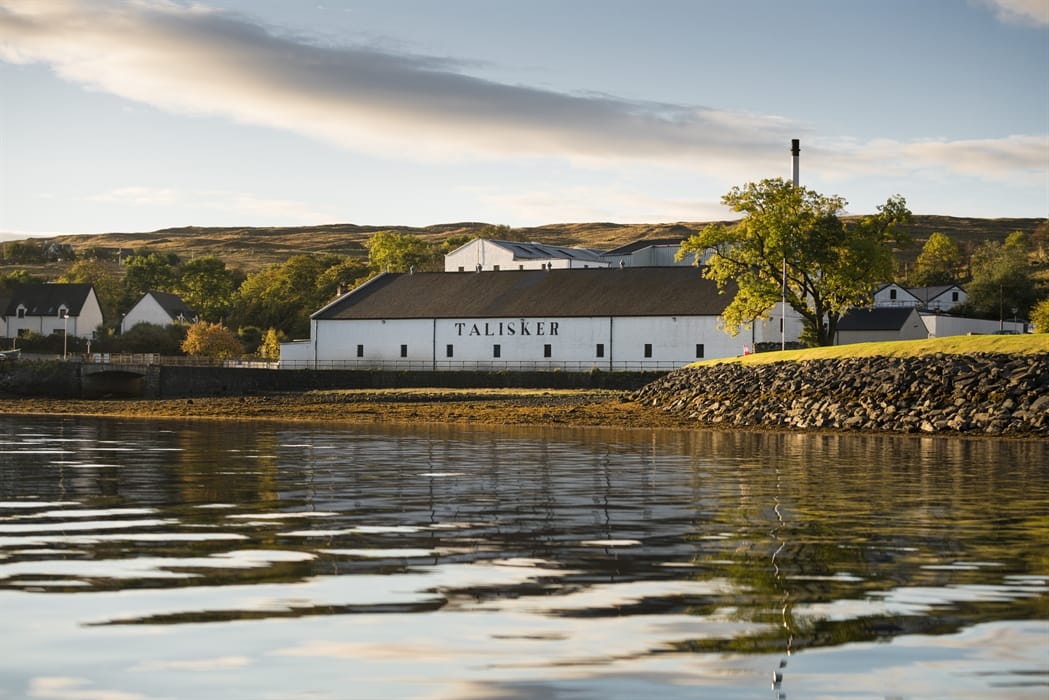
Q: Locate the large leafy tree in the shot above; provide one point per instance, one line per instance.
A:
(151, 272)
(108, 287)
(207, 286)
(795, 234)
(938, 262)
(390, 251)
(205, 339)
(1002, 285)
(283, 296)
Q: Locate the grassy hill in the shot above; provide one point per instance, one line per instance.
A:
(253, 248)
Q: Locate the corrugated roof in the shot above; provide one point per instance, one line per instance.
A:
(46, 299)
(638, 291)
(883, 318)
(641, 245)
(543, 251)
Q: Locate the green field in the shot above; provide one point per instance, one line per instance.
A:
(1029, 344)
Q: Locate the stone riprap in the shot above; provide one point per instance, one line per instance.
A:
(985, 394)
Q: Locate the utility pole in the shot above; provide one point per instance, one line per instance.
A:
(795, 152)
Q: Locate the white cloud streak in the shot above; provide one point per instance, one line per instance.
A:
(195, 60)
(1032, 12)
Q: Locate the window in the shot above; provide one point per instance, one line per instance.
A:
(892, 294)
(699, 349)
(360, 351)
(954, 296)
(462, 269)
(449, 350)
(404, 351)
(600, 352)
(548, 351)
(497, 350)
(495, 268)
(21, 312)
(648, 349)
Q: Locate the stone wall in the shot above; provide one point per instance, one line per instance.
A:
(973, 394)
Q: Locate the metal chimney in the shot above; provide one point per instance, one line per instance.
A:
(795, 151)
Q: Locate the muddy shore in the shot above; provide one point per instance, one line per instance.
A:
(575, 408)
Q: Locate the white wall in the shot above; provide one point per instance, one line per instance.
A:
(940, 326)
(491, 256)
(147, 310)
(82, 325)
(883, 297)
(573, 343)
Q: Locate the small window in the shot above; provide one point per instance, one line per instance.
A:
(360, 351)
(648, 349)
(600, 351)
(699, 349)
(21, 312)
(520, 267)
(892, 294)
(954, 296)
(462, 269)
(404, 351)
(449, 350)
(497, 350)
(548, 351)
(495, 268)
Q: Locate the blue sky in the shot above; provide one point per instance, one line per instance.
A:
(136, 115)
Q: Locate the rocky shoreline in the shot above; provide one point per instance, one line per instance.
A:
(977, 394)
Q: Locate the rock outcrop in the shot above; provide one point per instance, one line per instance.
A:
(985, 394)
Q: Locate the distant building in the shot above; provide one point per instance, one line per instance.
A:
(611, 319)
(489, 255)
(50, 308)
(648, 253)
(941, 298)
(943, 325)
(880, 324)
(159, 308)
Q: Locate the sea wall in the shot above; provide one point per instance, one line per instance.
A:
(986, 394)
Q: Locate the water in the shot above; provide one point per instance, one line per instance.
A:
(144, 560)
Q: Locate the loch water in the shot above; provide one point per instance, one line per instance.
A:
(142, 560)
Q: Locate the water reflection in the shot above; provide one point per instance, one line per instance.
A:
(457, 562)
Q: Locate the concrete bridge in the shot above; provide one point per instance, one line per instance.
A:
(99, 380)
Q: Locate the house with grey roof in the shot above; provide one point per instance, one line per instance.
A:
(652, 252)
(880, 324)
(159, 308)
(940, 298)
(51, 308)
(489, 255)
(654, 318)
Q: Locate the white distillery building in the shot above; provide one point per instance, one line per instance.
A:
(610, 319)
(72, 309)
(485, 255)
(158, 308)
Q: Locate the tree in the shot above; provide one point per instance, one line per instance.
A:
(938, 262)
(1040, 242)
(205, 339)
(270, 347)
(389, 251)
(1002, 285)
(152, 272)
(207, 286)
(830, 267)
(150, 337)
(108, 287)
(1040, 316)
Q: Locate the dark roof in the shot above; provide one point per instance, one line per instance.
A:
(641, 245)
(885, 318)
(927, 294)
(638, 291)
(173, 305)
(45, 299)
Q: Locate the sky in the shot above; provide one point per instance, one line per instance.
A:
(138, 115)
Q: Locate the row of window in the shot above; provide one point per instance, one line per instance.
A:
(548, 350)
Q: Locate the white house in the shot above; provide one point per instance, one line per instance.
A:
(574, 319)
(941, 298)
(880, 324)
(51, 308)
(482, 254)
(160, 308)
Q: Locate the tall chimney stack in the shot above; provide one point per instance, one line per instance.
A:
(795, 151)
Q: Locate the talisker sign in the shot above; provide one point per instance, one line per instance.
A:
(505, 328)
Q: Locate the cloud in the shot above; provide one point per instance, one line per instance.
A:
(137, 196)
(191, 59)
(249, 205)
(1034, 12)
(60, 688)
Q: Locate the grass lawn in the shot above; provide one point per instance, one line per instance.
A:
(1027, 344)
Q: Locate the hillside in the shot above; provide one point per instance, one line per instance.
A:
(253, 248)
